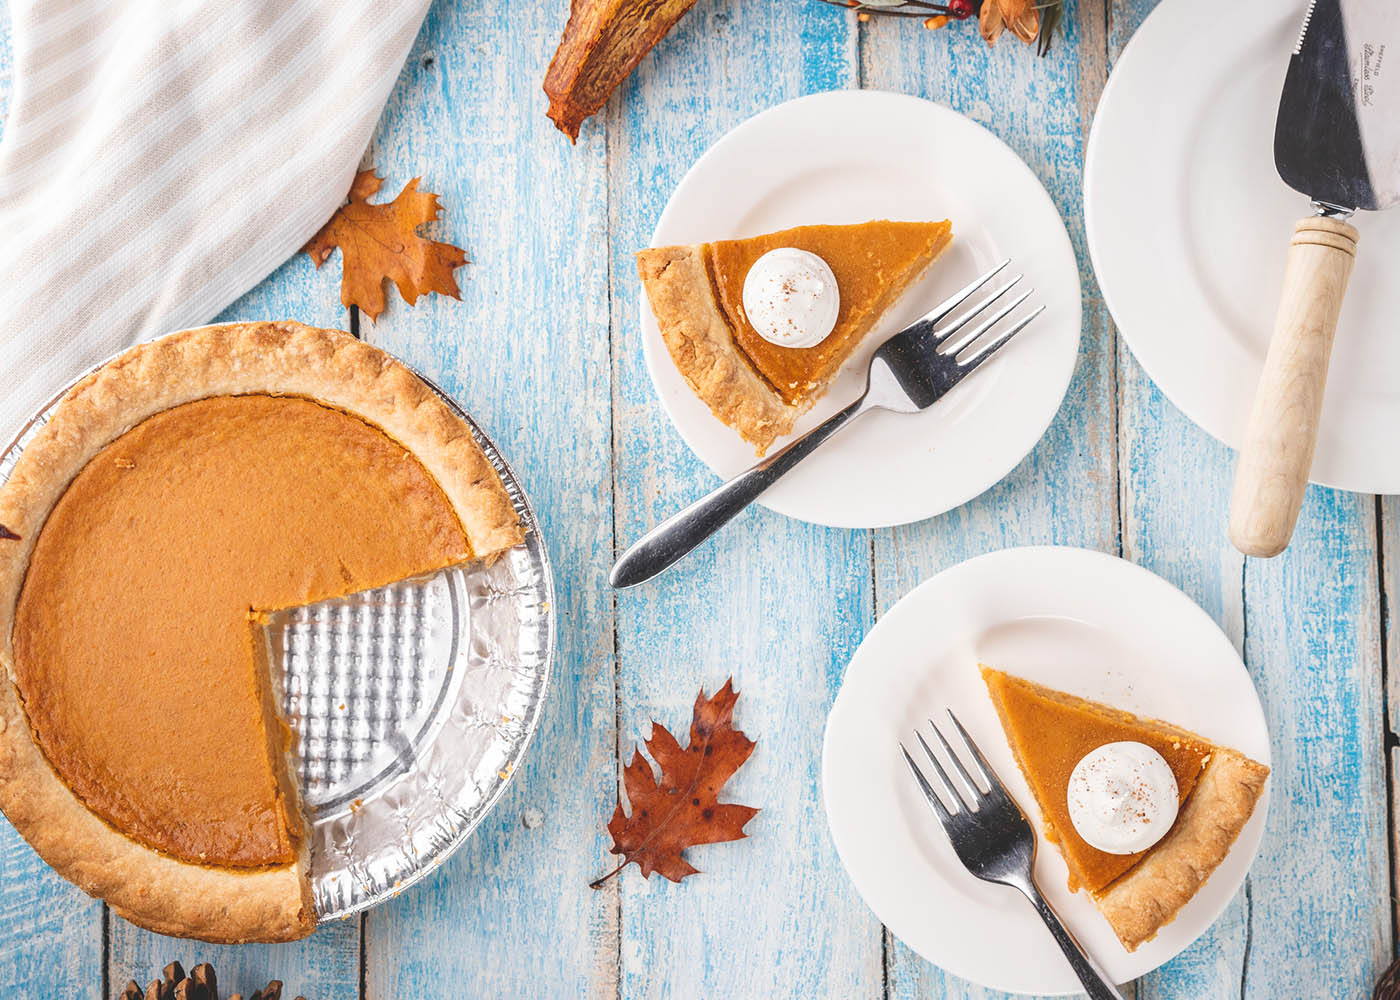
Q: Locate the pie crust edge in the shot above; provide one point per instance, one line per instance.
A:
(701, 344)
(1149, 896)
(150, 889)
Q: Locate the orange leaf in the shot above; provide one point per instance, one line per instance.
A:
(682, 809)
(1021, 16)
(381, 242)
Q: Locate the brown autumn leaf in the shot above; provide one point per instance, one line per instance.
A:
(381, 242)
(1021, 16)
(683, 808)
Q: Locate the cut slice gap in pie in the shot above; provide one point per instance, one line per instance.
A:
(757, 387)
(176, 496)
(1051, 731)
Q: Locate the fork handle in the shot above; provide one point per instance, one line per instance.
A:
(672, 539)
(1094, 980)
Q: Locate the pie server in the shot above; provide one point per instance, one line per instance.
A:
(1337, 141)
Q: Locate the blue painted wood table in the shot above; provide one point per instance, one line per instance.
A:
(544, 350)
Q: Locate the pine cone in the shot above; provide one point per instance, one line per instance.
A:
(1388, 987)
(200, 984)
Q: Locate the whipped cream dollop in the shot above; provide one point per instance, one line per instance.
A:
(1122, 797)
(790, 297)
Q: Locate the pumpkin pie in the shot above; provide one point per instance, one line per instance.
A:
(177, 495)
(757, 387)
(1051, 731)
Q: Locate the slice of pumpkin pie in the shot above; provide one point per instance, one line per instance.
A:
(177, 494)
(759, 327)
(1059, 740)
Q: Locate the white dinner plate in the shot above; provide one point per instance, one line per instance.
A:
(1078, 621)
(1188, 226)
(851, 156)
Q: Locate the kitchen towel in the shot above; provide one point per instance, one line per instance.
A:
(161, 157)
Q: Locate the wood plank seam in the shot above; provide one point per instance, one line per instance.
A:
(1248, 937)
(1248, 891)
(861, 40)
(106, 971)
(364, 958)
(1388, 737)
(605, 122)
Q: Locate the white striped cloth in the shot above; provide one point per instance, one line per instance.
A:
(163, 156)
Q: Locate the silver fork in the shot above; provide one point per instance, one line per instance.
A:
(909, 372)
(992, 838)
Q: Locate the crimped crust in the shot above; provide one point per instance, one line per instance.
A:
(702, 346)
(1149, 896)
(282, 358)
(144, 886)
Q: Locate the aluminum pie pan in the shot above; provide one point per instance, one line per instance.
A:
(412, 704)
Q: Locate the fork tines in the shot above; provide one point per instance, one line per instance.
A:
(967, 794)
(954, 346)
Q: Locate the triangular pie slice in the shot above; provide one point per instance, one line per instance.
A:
(1050, 732)
(760, 388)
(176, 495)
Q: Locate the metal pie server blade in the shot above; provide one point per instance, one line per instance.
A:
(1337, 140)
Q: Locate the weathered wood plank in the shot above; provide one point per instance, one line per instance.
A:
(325, 964)
(526, 351)
(1065, 491)
(776, 603)
(52, 939)
(1320, 889)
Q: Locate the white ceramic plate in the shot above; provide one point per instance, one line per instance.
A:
(1188, 225)
(1076, 620)
(850, 156)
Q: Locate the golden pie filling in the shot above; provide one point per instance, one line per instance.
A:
(873, 262)
(135, 638)
(1050, 733)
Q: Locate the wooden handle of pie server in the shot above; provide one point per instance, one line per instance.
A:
(1272, 470)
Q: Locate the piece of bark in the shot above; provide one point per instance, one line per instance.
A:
(603, 42)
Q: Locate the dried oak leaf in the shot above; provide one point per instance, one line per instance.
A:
(380, 243)
(682, 809)
(1021, 16)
